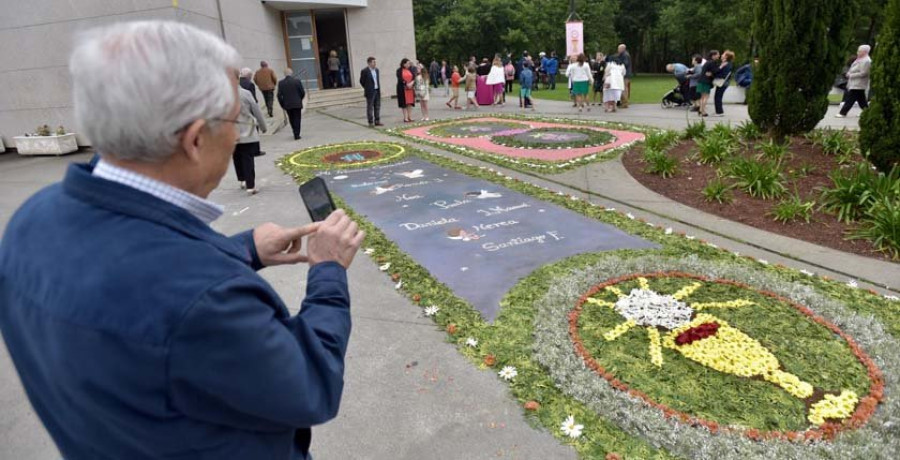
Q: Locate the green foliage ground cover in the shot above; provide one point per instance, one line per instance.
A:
(509, 339)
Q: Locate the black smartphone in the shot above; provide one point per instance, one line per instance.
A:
(317, 199)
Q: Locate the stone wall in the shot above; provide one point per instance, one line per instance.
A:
(36, 38)
(386, 31)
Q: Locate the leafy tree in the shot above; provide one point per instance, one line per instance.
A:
(801, 47)
(880, 123)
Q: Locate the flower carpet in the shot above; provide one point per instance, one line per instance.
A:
(677, 349)
(533, 144)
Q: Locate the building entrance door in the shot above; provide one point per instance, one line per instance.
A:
(301, 44)
(334, 57)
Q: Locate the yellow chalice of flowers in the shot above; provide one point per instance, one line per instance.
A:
(725, 349)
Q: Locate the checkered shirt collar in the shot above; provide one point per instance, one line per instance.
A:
(202, 209)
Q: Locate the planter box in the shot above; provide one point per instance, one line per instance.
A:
(46, 145)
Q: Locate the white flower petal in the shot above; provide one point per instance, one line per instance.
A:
(385, 267)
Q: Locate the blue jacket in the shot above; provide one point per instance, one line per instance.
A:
(139, 332)
(526, 78)
(550, 65)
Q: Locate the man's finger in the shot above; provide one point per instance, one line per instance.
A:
(296, 233)
(334, 217)
(356, 242)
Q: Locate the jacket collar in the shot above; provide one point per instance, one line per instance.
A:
(80, 184)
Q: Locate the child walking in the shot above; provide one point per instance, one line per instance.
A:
(526, 80)
(471, 81)
(453, 103)
(423, 90)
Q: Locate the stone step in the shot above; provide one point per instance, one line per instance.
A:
(333, 97)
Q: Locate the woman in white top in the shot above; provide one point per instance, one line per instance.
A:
(423, 90)
(580, 76)
(497, 80)
(614, 84)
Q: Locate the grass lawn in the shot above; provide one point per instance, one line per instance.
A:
(645, 89)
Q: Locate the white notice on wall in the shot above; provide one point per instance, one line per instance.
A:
(304, 44)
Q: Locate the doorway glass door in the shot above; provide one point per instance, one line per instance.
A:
(334, 56)
(302, 47)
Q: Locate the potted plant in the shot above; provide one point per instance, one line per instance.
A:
(45, 142)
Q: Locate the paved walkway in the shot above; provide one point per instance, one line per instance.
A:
(409, 394)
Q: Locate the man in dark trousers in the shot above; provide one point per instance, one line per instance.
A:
(290, 97)
(265, 80)
(370, 80)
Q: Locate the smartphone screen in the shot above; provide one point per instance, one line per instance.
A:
(317, 199)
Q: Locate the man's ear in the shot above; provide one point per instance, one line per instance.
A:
(192, 140)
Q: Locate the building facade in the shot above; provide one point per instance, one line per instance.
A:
(36, 39)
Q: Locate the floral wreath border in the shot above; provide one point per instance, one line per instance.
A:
(468, 120)
(527, 165)
(553, 349)
(828, 431)
(513, 143)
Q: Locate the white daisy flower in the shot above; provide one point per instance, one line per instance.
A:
(472, 342)
(432, 310)
(570, 429)
(853, 284)
(369, 251)
(399, 284)
(610, 209)
(807, 272)
(736, 254)
(508, 373)
(669, 231)
(763, 261)
(690, 237)
(630, 216)
(892, 298)
(712, 245)
(385, 267)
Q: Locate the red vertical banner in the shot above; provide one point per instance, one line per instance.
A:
(574, 38)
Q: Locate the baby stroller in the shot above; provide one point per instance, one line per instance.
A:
(679, 96)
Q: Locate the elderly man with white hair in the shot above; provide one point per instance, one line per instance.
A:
(246, 82)
(137, 330)
(857, 81)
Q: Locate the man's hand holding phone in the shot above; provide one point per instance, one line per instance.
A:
(337, 239)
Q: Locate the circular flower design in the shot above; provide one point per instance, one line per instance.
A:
(474, 129)
(343, 156)
(553, 138)
(692, 326)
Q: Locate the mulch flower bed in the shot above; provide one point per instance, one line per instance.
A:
(687, 187)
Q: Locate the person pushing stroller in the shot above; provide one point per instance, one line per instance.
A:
(680, 95)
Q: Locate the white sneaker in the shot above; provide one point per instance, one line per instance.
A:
(840, 116)
(719, 115)
(253, 191)
(243, 185)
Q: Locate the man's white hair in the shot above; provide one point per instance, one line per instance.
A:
(864, 48)
(246, 72)
(136, 86)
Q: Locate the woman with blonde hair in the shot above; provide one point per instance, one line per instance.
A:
(496, 79)
(423, 90)
(722, 79)
(334, 69)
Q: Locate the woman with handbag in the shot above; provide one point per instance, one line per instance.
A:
(723, 78)
(406, 100)
(423, 91)
(249, 120)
